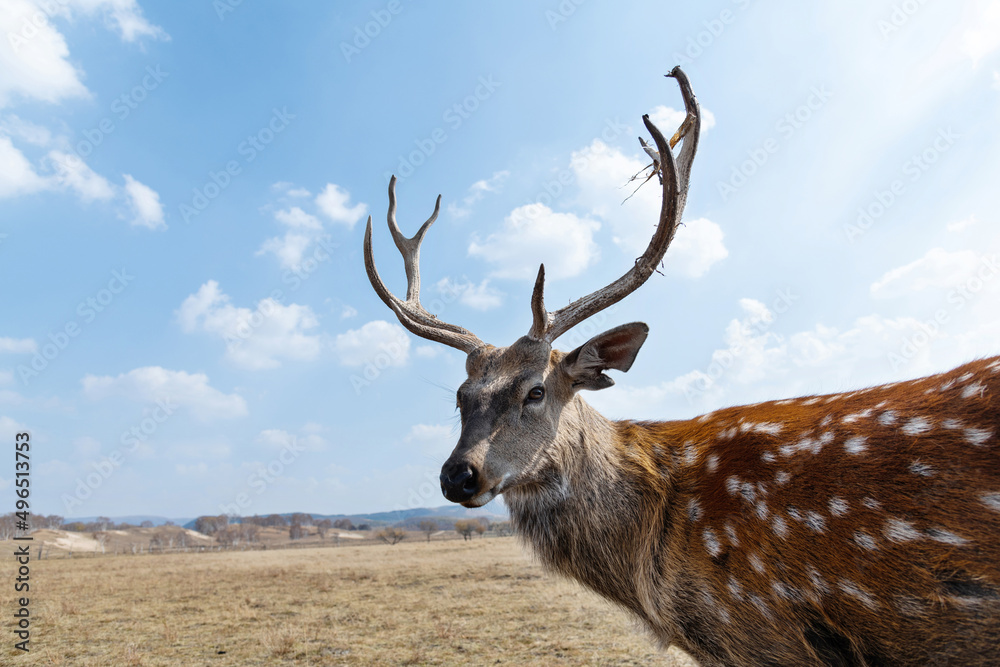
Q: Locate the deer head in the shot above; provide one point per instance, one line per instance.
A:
(519, 402)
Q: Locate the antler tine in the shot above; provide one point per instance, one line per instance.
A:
(674, 178)
(410, 312)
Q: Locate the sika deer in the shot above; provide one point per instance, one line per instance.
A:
(855, 529)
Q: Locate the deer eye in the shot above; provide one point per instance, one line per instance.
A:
(536, 394)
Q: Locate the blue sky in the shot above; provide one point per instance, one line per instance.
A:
(188, 327)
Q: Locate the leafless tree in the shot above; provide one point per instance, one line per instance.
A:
(391, 535)
(429, 527)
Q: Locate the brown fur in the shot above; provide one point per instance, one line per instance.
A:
(767, 534)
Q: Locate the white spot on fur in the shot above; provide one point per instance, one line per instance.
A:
(770, 428)
(711, 463)
(871, 503)
(756, 563)
(805, 443)
(826, 421)
(690, 453)
(825, 438)
(731, 534)
(781, 478)
(852, 589)
(952, 424)
(694, 510)
(735, 589)
(761, 605)
(856, 444)
(705, 417)
(815, 522)
(785, 591)
(748, 492)
(767, 457)
(965, 377)
(838, 506)
(780, 526)
(761, 510)
(887, 418)
(794, 513)
(787, 401)
(910, 606)
(865, 541)
(991, 500)
(831, 399)
(733, 485)
(977, 436)
(946, 537)
(917, 426)
(727, 434)
(812, 401)
(918, 467)
(855, 416)
(898, 530)
(817, 580)
(712, 544)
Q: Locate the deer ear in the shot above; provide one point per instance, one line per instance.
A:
(615, 348)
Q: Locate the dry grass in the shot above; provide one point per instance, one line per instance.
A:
(476, 603)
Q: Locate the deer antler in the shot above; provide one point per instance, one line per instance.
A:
(674, 177)
(411, 313)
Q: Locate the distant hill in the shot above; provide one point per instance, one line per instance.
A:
(135, 519)
(447, 513)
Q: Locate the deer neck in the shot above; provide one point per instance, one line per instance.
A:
(600, 494)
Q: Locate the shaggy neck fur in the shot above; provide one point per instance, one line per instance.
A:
(601, 510)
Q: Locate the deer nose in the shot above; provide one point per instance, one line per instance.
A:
(459, 482)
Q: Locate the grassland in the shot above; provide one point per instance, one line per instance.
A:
(481, 602)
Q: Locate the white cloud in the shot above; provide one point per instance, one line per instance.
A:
(477, 191)
(603, 172)
(255, 339)
(6, 377)
(17, 176)
(36, 135)
(73, 173)
(377, 342)
(289, 249)
(152, 383)
(938, 269)
(961, 225)
(296, 218)
(145, 203)
(347, 312)
(333, 203)
(9, 428)
(276, 438)
(34, 58)
(534, 234)
(18, 345)
(86, 447)
(668, 119)
(478, 297)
